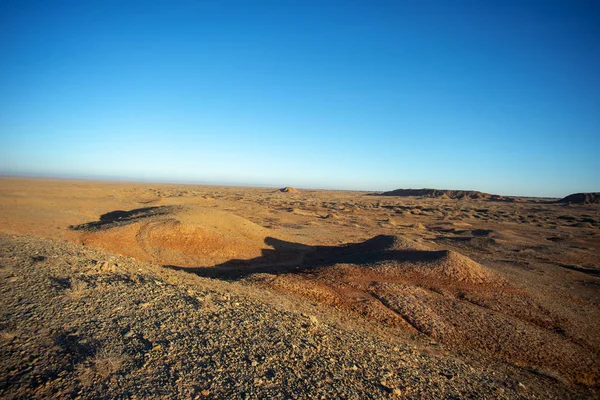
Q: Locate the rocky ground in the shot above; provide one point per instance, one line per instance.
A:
(81, 323)
(122, 290)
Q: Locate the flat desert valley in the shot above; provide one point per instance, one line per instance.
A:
(139, 290)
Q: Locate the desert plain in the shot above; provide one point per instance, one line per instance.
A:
(142, 290)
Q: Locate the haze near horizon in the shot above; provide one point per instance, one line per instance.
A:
(501, 98)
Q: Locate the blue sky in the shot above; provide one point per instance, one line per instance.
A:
(498, 96)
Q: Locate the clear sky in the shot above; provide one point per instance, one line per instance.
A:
(498, 96)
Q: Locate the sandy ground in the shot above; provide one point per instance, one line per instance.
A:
(513, 285)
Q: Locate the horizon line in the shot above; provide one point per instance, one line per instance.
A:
(113, 179)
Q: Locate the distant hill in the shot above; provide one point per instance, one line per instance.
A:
(581, 198)
(289, 189)
(448, 194)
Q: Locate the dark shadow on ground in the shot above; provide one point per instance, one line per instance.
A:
(590, 270)
(286, 257)
(120, 218)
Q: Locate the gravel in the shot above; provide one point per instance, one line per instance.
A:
(81, 323)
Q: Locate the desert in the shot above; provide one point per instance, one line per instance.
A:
(113, 289)
(299, 199)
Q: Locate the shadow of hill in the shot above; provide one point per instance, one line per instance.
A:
(288, 257)
(120, 218)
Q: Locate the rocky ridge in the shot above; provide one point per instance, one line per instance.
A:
(581, 198)
(449, 194)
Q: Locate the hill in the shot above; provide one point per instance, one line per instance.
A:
(581, 198)
(449, 194)
(289, 189)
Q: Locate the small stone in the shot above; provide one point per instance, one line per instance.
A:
(128, 334)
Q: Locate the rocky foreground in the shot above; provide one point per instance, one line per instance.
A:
(82, 323)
